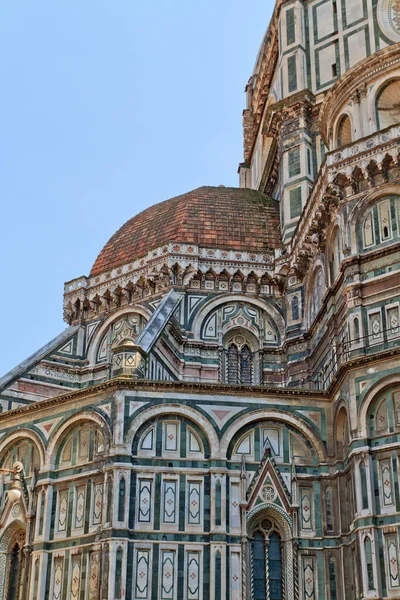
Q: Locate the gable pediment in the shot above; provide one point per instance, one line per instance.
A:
(268, 486)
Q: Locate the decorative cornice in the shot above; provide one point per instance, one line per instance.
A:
(182, 387)
(169, 266)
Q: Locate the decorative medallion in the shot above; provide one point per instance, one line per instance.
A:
(388, 12)
(268, 493)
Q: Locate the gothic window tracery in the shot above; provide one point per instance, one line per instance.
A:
(364, 486)
(267, 574)
(239, 368)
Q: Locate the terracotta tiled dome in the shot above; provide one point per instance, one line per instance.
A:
(210, 217)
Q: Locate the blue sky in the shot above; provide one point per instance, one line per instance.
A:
(107, 107)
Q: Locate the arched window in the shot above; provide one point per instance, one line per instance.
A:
(233, 364)
(218, 503)
(41, 511)
(342, 433)
(118, 574)
(239, 362)
(368, 563)
(332, 579)
(266, 550)
(356, 325)
(388, 105)
(328, 509)
(335, 256)
(275, 566)
(109, 489)
(259, 578)
(121, 499)
(36, 578)
(364, 487)
(344, 131)
(218, 573)
(295, 308)
(316, 293)
(245, 365)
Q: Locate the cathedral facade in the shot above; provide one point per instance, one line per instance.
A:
(221, 416)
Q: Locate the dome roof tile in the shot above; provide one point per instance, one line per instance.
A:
(216, 217)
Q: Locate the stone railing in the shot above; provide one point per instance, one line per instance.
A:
(374, 147)
(327, 191)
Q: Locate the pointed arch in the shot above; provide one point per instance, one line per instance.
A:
(270, 546)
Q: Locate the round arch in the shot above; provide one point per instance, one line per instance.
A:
(341, 430)
(361, 207)
(341, 405)
(344, 129)
(175, 409)
(224, 299)
(98, 335)
(62, 428)
(369, 397)
(278, 415)
(22, 434)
